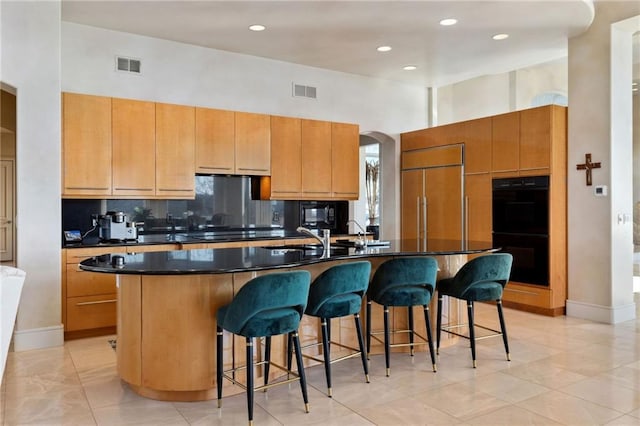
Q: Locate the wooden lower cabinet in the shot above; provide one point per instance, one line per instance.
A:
(88, 298)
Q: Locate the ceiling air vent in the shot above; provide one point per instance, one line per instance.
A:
(304, 91)
(128, 64)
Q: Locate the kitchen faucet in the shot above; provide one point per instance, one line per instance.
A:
(325, 239)
(364, 231)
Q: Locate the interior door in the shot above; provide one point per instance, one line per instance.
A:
(6, 210)
(412, 202)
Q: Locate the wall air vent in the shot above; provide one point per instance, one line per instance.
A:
(130, 65)
(304, 91)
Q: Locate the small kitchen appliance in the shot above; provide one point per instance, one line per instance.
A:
(115, 226)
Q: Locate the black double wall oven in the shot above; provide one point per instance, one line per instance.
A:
(521, 226)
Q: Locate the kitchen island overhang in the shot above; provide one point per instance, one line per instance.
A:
(167, 304)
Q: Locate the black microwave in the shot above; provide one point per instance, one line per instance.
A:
(331, 215)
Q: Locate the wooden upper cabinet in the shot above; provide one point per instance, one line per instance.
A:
(433, 136)
(505, 141)
(86, 145)
(134, 146)
(286, 165)
(316, 159)
(215, 141)
(536, 127)
(175, 146)
(345, 154)
(477, 146)
(253, 144)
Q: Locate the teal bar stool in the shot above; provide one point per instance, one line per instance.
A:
(481, 279)
(266, 306)
(336, 293)
(403, 282)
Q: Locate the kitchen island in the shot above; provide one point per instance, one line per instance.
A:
(167, 302)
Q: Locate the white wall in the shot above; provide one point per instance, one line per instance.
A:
(500, 93)
(185, 74)
(600, 249)
(30, 36)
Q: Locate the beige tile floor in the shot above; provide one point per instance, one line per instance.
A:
(563, 371)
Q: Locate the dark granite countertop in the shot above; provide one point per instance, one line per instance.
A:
(191, 238)
(227, 260)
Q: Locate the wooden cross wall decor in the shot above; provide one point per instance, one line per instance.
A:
(588, 166)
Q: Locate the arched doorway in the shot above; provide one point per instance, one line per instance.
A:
(378, 153)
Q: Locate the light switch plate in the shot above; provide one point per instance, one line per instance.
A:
(600, 190)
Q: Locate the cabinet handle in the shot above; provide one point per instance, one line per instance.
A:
(85, 187)
(253, 170)
(134, 189)
(214, 168)
(426, 218)
(167, 189)
(97, 302)
(466, 219)
(418, 228)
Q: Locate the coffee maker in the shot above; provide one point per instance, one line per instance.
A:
(115, 226)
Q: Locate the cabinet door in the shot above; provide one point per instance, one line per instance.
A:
(253, 144)
(443, 191)
(535, 138)
(412, 213)
(134, 145)
(286, 163)
(478, 219)
(477, 146)
(316, 159)
(345, 163)
(215, 141)
(505, 141)
(175, 146)
(86, 145)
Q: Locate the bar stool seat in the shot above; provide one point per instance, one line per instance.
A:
(266, 306)
(402, 282)
(480, 279)
(338, 292)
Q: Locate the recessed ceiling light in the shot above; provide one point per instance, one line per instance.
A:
(500, 36)
(409, 68)
(448, 21)
(257, 27)
(383, 48)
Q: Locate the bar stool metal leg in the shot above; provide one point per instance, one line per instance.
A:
(363, 355)
(427, 322)
(472, 334)
(303, 379)
(267, 360)
(368, 324)
(327, 355)
(504, 329)
(439, 325)
(387, 337)
(219, 364)
(410, 310)
(250, 379)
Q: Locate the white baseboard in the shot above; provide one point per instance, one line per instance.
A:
(38, 338)
(599, 313)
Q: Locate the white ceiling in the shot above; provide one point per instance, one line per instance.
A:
(343, 35)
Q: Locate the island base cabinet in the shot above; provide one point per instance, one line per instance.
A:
(166, 346)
